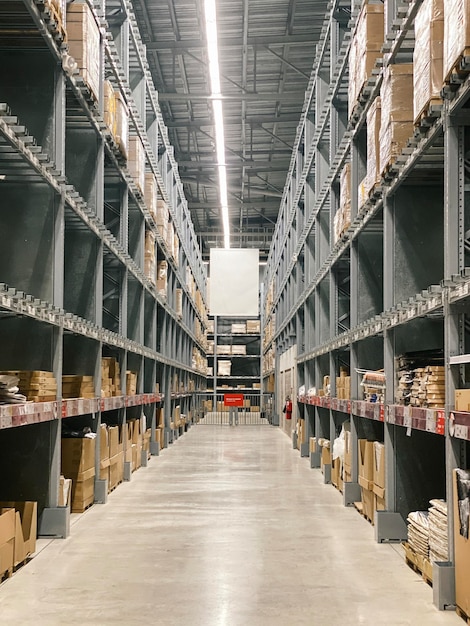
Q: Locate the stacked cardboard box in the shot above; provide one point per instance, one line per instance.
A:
(224, 368)
(239, 329)
(162, 278)
(104, 453)
(365, 49)
(35, 385)
(116, 457)
(379, 476)
(78, 463)
(224, 350)
(240, 350)
(179, 302)
(136, 161)
(462, 400)
(428, 56)
(150, 262)
(121, 124)
(438, 531)
(110, 377)
(253, 326)
(83, 38)
(397, 112)
(137, 440)
(7, 541)
(131, 383)
(343, 386)
(26, 521)
(366, 477)
(300, 429)
(163, 218)
(342, 218)
(456, 33)
(109, 113)
(78, 387)
(150, 194)
(372, 178)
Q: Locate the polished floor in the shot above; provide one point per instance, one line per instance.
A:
(228, 527)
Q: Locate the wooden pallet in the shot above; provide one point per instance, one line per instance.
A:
(8, 573)
(111, 489)
(431, 111)
(54, 21)
(84, 506)
(22, 563)
(461, 613)
(459, 71)
(360, 510)
(418, 563)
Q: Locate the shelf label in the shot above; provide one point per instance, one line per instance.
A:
(461, 431)
(441, 423)
(431, 421)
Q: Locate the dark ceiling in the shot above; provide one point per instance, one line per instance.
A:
(266, 54)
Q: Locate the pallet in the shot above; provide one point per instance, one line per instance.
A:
(22, 563)
(360, 510)
(54, 20)
(111, 489)
(459, 70)
(85, 506)
(419, 564)
(431, 111)
(8, 573)
(461, 613)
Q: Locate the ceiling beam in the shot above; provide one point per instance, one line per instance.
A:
(283, 118)
(248, 204)
(235, 42)
(279, 165)
(291, 96)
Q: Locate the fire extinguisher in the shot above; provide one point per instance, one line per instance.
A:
(288, 408)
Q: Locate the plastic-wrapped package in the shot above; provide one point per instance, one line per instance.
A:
(373, 145)
(396, 112)
(136, 161)
(428, 55)
(456, 32)
(122, 123)
(365, 48)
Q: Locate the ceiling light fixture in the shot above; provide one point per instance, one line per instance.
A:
(216, 97)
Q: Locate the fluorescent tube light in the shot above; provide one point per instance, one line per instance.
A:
(216, 95)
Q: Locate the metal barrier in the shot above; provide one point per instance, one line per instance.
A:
(256, 410)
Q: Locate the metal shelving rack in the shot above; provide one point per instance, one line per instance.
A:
(397, 280)
(74, 287)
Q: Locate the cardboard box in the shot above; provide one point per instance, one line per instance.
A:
(337, 473)
(456, 34)
(122, 123)
(379, 464)
(365, 463)
(312, 445)
(7, 540)
(65, 491)
(78, 456)
(368, 504)
(325, 456)
(83, 39)
(136, 161)
(26, 520)
(462, 399)
(83, 491)
(116, 470)
(150, 194)
(104, 452)
(253, 326)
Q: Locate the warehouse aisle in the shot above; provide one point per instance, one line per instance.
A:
(228, 527)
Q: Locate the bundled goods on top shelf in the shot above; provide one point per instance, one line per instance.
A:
(163, 218)
(365, 49)
(150, 263)
(456, 34)
(83, 38)
(438, 531)
(170, 238)
(210, 326)
(162, 278)
(109, 112)
(9, 390)
(136, 161)
(239, 328)
(34, 385)
(121, 124)
(373, 385)
(150, 194)
(342, 218)
(343, 385)
(110, 377)
(78, 386)
(78, 463)
(224, 368)
(268, 360)
(239, 350)
(224, 350)
(199, 363)
(372, 177)
(396, 98)
(176, 248)
(253, 326)
(131, 383)
(428, 56)
(210, 346)
(269, 298)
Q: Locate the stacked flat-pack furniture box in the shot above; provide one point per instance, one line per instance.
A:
(78, 463)
(83, 38)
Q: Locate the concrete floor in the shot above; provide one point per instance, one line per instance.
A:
(228, 527)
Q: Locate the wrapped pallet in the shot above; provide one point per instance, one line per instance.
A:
(150, 264)
(428, 56)
(162, 278)
(136, 161)
(109, 113)
(83, 38)
(342, 218)
(397, 112)
(121, 123)
(373, 145)
(365, 49)
(456, 33)
(150, 194)
(163, 218)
